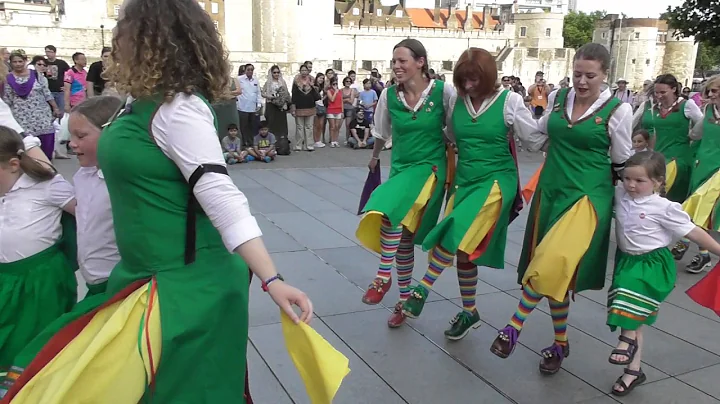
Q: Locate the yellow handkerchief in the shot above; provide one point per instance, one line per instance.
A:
(321, 366)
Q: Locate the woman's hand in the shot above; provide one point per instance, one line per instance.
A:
(57, 113)
(373, 164)
(285, 296)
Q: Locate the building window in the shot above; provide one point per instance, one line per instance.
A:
(533, 52)
(202, 5)
(633, 61)
(116, 10)
(356, 11)
(217, 26)
(398, 13)
(647, 62)
(215, 8)
(560, 53)
(548, 32)
(378, 12)
(637, 35)
(337, 65)
(367, 65)
(604, 35)
(447, 65)
(523, 32)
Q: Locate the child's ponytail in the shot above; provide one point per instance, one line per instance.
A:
(12, 146)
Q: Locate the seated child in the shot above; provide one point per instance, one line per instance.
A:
(368, 100)
(360, 132)
(641, 140)
(232, 146)
(263, 146)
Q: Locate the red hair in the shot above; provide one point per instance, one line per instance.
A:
(476, 64)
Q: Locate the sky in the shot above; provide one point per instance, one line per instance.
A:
(632, 8)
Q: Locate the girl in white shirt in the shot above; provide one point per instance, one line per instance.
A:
(97, 248)
(645, 225)
(37, 280)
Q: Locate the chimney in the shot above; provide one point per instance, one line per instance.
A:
(436, 15)
(452, 21)
(468, 26)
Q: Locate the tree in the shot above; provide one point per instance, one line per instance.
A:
(578, 28)
(698, 18)
(708, 58)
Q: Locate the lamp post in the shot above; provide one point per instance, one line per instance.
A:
(102, 34)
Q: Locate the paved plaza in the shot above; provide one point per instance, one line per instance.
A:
(306, 205)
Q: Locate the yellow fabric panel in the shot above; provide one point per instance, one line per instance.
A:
(368, 231)
(102, 364)
(413, 217)
(450, 205)
(556, 258)
(321, 367)
(701, 203)
(483, 222)
(670, 175)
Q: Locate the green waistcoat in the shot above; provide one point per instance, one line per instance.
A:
(671, 139)
(203, 305)
(707, 159)
(577, 165)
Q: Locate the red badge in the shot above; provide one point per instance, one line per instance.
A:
(598, 120)
(434, 168)
(642, 215)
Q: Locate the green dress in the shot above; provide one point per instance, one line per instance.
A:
(418, 152)
(203, 305)
(35, 291)
(707, 162)
(671, 139)
(577, 165)
(484, 159)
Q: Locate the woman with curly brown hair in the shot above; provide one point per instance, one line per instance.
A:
(173, 323)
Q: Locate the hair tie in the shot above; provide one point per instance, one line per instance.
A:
(20, 152)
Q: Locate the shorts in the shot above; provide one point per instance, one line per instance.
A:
(334, 116)
(349, 111)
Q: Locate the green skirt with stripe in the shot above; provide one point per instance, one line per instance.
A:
(640, 283)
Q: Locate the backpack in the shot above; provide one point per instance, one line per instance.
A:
(282, 145)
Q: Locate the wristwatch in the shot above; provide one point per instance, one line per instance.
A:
(270, 280)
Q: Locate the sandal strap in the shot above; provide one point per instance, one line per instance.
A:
(627, 340)
(636, 373)
(622, 384)
(623, 352)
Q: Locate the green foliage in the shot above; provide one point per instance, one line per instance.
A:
(698, 18)
(708, 58)
(578, 28)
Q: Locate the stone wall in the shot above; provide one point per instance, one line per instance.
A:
(377, 43)
(536, 26)
(679, 60)
(525, 62)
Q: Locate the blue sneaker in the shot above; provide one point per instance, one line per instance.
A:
(249, 158)
(232, 161)
(267, 159)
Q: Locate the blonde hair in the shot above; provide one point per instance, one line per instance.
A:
(711, 82)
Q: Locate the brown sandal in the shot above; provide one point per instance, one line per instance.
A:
(640, 378)
(629, 352)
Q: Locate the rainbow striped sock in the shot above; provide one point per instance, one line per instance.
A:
(389, 242)
(559, 313)
(467, 279)
(405, 263)
(529, 300)
(438, 259)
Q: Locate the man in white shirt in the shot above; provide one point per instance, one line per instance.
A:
(249, 103)
(623, 93)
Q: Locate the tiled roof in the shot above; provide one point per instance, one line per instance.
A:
(424, 18)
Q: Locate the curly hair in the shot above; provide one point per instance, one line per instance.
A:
(167, 47)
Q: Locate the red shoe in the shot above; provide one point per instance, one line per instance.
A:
(397, 319)
(376, 291)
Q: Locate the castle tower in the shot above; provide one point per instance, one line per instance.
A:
(679, 60)
(310, 29)
(271, 25)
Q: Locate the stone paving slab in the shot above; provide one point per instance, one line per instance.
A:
(306, 204)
